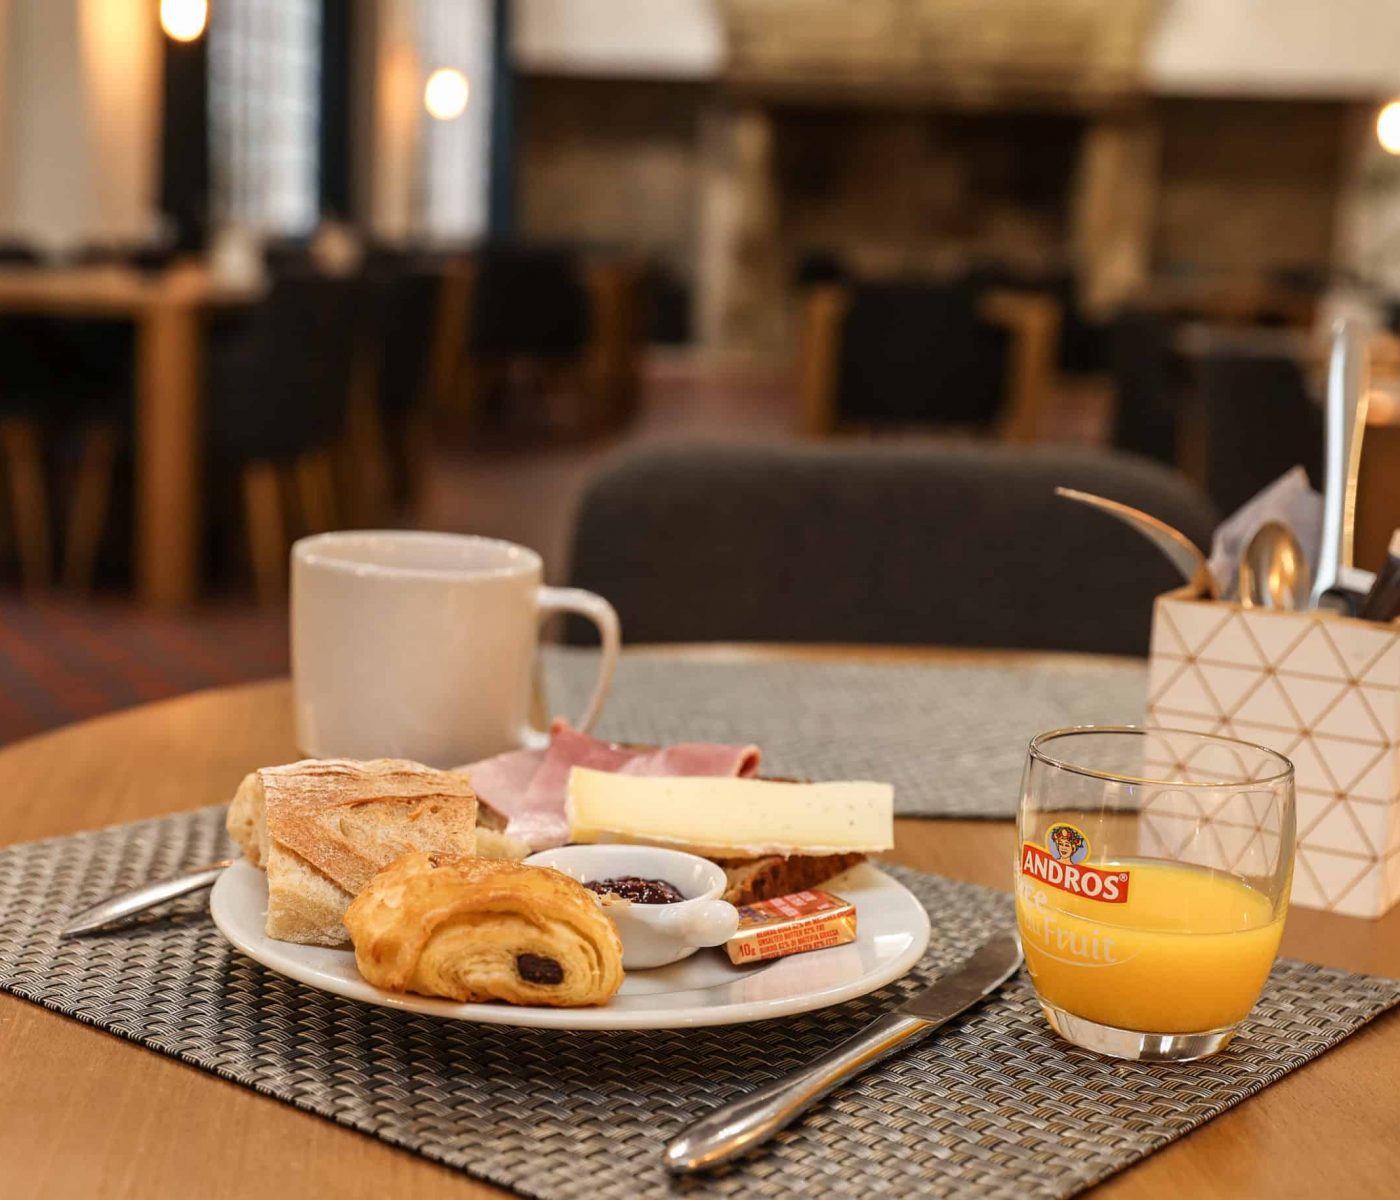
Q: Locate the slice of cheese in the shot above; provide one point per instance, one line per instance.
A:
(732, 818)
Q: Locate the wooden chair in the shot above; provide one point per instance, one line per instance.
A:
(574, 324)
(381, 460)
(21, 446)
(277, 385)
(56, 377)
(1009, 339)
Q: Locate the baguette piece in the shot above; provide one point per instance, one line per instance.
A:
(321, 829)
(753, 879)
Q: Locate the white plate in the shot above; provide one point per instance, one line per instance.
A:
(703, 990)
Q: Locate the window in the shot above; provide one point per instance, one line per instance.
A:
(264, 124)
(455, 162)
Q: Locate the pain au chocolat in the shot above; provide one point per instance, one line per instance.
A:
(476, 929)
(322, 828)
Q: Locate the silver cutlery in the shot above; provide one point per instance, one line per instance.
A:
(1274, 571)
(1338, 585)
(738, 1127)
(1184, 554)
(137, 900)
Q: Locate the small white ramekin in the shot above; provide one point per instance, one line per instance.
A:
(654, 935)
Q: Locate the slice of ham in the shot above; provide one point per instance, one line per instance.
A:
(528, 787)
(505, 775)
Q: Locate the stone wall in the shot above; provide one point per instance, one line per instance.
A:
(612, 162)
(907, 192)
(730, 189)
(1246, 187)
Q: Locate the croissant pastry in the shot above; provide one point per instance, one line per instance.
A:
(476, 929)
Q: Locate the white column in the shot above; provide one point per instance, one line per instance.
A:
(79, 134)
(121, 55)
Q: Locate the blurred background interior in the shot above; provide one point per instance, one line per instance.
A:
(713, 302)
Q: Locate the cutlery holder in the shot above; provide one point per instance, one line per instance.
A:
(1323, 690)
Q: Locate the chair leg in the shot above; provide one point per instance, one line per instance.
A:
(92, 497)
(415, 440)
(314, 479)
(364, 455)
(822, 318)
(267, 531)
(20, 444)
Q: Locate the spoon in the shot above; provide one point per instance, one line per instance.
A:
(1184, 554)
(1273, 572)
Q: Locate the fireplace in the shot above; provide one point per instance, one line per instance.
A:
(920, 137)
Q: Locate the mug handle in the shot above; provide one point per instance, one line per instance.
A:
(550, 600)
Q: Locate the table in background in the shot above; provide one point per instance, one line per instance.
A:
(82, 1113)
(167, 308)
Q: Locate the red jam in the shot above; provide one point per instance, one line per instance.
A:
(639, 891)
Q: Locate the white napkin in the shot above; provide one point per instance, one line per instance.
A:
(1289, 499)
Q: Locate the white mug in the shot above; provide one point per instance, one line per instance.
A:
(422, 645)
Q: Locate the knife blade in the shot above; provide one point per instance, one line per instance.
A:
(1338, 584)
(736, 1128)
(148, 895)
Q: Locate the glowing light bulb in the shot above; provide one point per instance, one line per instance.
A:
(1388, 128)
(184, 20)
(445, 96)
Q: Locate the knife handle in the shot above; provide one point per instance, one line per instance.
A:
(729, 1131)
(148, 895)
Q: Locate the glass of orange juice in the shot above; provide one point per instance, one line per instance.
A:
(1152, 876)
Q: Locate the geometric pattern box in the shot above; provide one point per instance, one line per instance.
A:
(1322, 690)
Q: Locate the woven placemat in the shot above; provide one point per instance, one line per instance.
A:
(950, 737)
(993, 1107)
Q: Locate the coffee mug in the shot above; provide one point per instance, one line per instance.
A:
(423, 645)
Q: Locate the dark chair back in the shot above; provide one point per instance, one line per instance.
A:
(402, 294)
(527, 300)
(917, 351)
(18, 254)
(1259, 422)
(1148, 384)
(961, 544)
(278, 377)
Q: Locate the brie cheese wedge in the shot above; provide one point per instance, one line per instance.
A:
(730, 818)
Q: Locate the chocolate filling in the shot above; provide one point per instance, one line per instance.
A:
(536, 968)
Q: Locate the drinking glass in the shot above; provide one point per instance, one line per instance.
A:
(1152, 878)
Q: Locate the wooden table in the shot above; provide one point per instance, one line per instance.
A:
(167, 309)
(83, 1113)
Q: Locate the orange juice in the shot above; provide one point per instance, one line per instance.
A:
(1186, 951)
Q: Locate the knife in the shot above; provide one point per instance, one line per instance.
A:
(148, 895)
(730, 1131)
(1337, 584)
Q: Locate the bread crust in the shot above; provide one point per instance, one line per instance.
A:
(321, 828)
(749, 880)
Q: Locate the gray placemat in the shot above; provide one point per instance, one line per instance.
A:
(993, 1107)
(950, 737)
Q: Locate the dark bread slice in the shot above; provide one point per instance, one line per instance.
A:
(772, 875)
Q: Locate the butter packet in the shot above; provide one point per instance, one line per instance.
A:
(810, 920)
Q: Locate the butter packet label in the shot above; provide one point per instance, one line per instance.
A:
(810, 920)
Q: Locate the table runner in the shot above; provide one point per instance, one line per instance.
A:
(950, 736)
(993, 1107)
